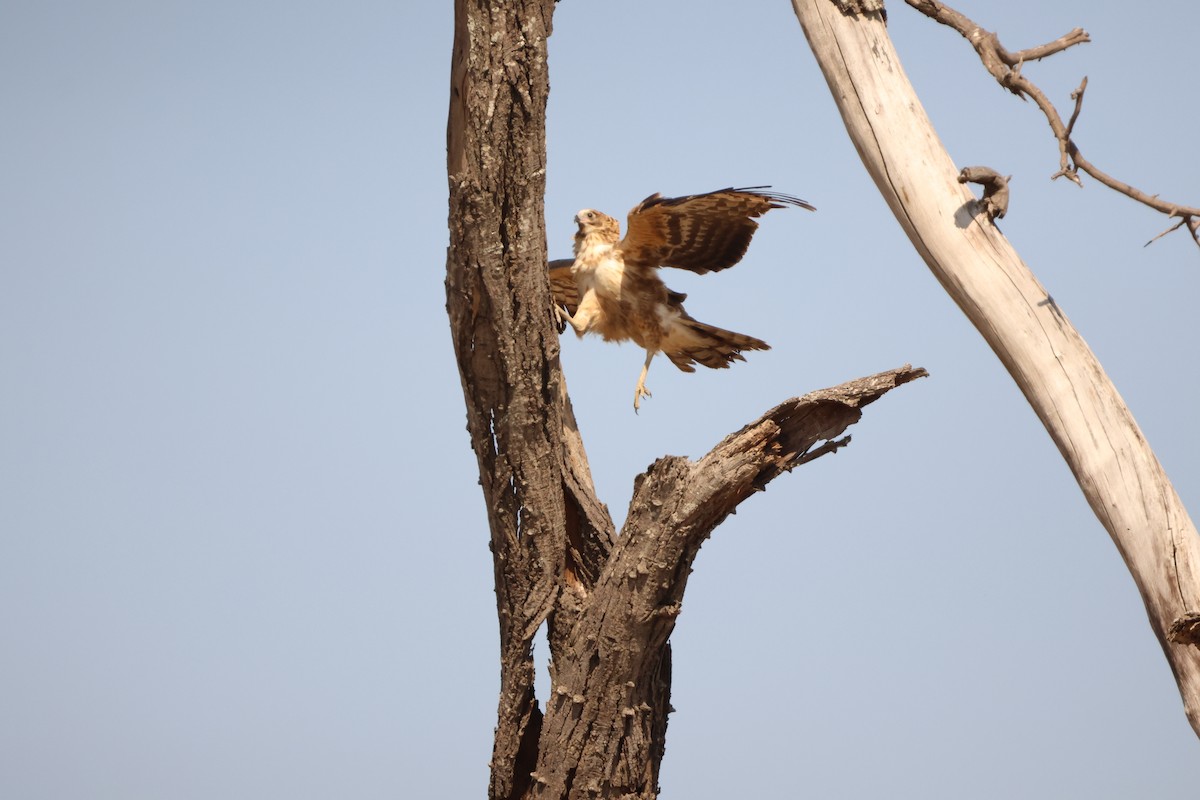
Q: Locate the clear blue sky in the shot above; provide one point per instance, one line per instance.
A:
(242, 549)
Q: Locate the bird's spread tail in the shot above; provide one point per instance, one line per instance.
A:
(693, 342)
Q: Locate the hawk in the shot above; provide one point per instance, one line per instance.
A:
(612, 287)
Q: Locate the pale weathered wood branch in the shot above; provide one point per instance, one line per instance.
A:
(1077, 96)
(1193, 226)
(611, 697)
(1054, 368)
(1005, 67)
(998, 60)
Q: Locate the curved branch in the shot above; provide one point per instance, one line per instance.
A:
(1005, 67)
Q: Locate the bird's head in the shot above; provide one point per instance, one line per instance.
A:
(593, 222)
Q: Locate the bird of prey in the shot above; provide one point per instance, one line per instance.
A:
(612, 287)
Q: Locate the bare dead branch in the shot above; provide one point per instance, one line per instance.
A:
(1005, 67)
(1077, 36)
(1171, 229)
(1192, 223)
(1077, 96)
(995, 189)
(1057, 372)
(607, 712)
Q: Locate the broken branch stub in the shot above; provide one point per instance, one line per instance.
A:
(995, 189)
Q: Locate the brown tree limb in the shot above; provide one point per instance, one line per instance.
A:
(610, 698)
(1077, 96)
(1005, 67)
(1193, 226)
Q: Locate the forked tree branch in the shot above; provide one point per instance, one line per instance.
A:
(610, 697)
(1006, 66)
(556, 557)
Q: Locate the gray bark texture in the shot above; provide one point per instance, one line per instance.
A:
(609, 603)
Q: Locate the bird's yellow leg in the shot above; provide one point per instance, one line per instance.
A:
(641, 390)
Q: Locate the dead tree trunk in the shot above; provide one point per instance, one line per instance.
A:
(605, 726)
(609, 603)
(496, 162)
(1052, 365)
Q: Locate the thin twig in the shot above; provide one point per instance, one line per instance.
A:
(1193, 226)
(1005, 67)
(1077, 96)
(1077, 36)
(1171, 229)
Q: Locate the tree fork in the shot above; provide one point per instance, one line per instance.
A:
(605, 725)
(609, 603)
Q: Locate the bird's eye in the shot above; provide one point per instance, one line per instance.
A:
(591, 215)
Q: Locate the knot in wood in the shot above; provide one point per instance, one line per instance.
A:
(1186, 630)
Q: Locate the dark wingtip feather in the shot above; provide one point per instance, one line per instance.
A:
(653, 200)
(778, 199)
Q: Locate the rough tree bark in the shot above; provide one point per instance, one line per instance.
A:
(505, 347)
(1060, 377)
(609, 603)
(605, 725)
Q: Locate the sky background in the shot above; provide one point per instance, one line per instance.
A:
(243, 552)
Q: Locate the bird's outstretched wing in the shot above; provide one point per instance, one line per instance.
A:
(699, 232)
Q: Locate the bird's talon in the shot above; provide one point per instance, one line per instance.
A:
(638, 394)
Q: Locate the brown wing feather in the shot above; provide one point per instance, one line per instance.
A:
(693, 342)
(562, 285)
(699, 232)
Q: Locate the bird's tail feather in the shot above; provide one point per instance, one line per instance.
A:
(692, 342)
